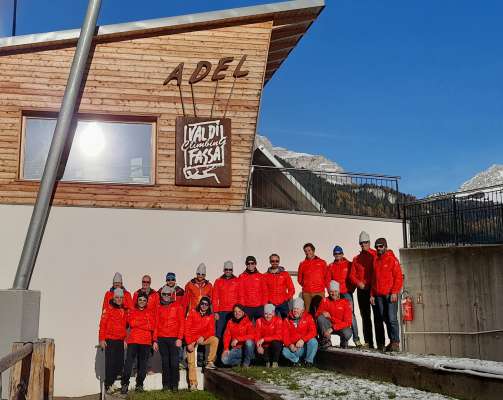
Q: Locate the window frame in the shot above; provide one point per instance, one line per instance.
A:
(151, 119)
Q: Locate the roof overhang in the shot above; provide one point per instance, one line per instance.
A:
(291, 20)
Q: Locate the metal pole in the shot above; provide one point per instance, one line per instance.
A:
(14, 18)
(61, 132)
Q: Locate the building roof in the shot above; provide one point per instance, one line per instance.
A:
(291, 20)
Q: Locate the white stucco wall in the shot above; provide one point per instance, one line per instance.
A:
(84, 247)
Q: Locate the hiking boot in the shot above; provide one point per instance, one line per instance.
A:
(110, 390)
(344, 345)
(308, 364)
(358, 343)
(124, 389)
(274, 365)
(380, 347)
(210, 365)
(193, 387)
(324, 343)
(393, 346)
(139, 388)
(296, 364)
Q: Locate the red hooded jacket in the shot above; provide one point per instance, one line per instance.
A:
(141, 326)
(362, 268)
(387, 278)
(197, 325)
(305, 330)
(170, 321)
(311, 275)
(340, 271)
(340, 312)
(195, 290)
(279, 286)
(241, 330)
(113, 323)
(152, 299)
(269, 330)
(252, 289)
(127, 302)
(225, 293)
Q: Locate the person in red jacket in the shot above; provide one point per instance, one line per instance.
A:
(279, 286)
(152, 295)
(253, 290)
(168, 335)
(197, 288)
(127, 302)
(299, 335)
(111, 337)
(239, 339)
(334, 317)
(340, 270)
(269, 336)
(386, 285)
(225, 295)
(362, 269)
(200, 330)
(141, 323)
(311, 276)
(178, 294)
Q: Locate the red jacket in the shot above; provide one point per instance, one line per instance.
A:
(225, 293)
(340, 271)
(279, 286)
(311, 275)
(241, 330)
(113, 323)
(252, 289)
(269, 330)
(340, 312)
(170, 321)
(194, 291)
(141, 326)
(197, 325)
(362, 268)
(178, 296)
(387, 278)
(305, 330)
(127, 302)
(153, 299)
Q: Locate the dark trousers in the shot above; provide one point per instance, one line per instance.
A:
(223, 317)
(389, 314)
(114, 360)
(325, 324)
(170, 356)
(364, 304)
(140, 353)
(254, 313)
(282, 310)
(272, 351)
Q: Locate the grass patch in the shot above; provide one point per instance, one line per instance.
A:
(165, 395)
(391, 395)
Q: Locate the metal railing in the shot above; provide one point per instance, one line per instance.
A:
(454, 219)
(304, 190)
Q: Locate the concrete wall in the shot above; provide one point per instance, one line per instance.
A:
(83, 247)
(457, 290)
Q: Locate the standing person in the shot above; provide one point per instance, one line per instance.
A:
(239, 336)
(299, 335)
(362, 269)
(225, 295)
(334, 316)
(111, 337)
(279, 286)
(152, 295)
(197, 288)
(311, 276)
(386, 285)
(200, 330)
(178, 293)
(168, 335)
(269, 336)
(117, 283)
(340, 271)
(141, 323)
(253, 290)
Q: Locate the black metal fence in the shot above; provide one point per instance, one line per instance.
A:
(463, 218)
(304, 190)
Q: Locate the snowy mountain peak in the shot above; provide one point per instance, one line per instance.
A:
(490, 177)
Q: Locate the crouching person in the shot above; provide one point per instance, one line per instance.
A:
(299, 336)
(200, 330)
(239, 339)
(141, 321)
(334, 317)
(111, 336)
(269, 336)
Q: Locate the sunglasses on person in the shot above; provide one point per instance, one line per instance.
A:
(201, 274)
(228, 269)
(145, 281)
(165, 294)
(362, 243)
(274, 260)
(379, 246)
(170, 280)
(251, 263)
(205, 304)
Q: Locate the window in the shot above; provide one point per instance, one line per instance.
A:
(102, 151)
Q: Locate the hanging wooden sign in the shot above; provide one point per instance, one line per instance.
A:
(203, 152)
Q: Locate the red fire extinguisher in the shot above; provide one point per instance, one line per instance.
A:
(407, 308)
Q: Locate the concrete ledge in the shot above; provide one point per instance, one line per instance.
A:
(230, 386)
(400, 372)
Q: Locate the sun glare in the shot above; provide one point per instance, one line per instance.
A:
(91, 140)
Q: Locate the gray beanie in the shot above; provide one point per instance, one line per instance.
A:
(201, 269)
(364, 237)
(118, 292)
(228, 265)
(117, 278)
(298, 303)
(167, 290)
(269, 309)
(334, 285)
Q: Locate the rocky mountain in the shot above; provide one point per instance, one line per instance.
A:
(490, 177)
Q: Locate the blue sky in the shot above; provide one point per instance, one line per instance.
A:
(409, 88)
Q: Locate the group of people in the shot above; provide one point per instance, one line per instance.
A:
(251, 316)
